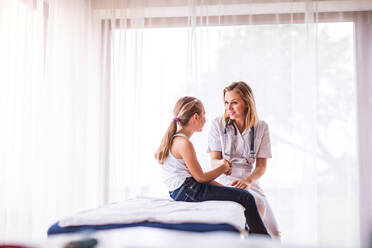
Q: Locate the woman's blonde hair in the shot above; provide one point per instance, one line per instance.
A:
(184, 109)
(245, 92)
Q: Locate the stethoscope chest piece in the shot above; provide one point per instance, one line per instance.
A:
(251, 157)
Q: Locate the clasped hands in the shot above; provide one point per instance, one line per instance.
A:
(228, 166)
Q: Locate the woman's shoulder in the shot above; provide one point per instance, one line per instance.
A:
(262, 127)
(217, 122)
(262, 124)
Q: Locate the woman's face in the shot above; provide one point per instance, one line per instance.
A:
(234, 105)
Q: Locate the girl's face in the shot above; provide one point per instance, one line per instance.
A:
(235, 106)
(201, 122)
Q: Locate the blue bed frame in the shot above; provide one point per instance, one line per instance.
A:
(191, 227)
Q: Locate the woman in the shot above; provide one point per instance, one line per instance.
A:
(182, 172)
(241, 138)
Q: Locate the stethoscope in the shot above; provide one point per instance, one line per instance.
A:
(252, 155)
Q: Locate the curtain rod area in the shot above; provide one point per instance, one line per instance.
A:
(159, 9)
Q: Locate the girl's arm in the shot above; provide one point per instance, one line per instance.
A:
(216, 183)
(185, 148)
(216, 160)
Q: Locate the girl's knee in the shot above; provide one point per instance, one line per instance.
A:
(249, 197)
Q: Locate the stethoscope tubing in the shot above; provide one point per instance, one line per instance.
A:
(252, 154)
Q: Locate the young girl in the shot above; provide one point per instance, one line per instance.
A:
(183, 174)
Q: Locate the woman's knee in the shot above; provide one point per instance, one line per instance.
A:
(275, 235)
(261, 211)
(261, 206)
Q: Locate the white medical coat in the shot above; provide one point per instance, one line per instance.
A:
(237, 147)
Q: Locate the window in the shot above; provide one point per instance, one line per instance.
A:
(303, 78)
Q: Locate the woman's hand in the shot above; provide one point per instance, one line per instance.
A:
(241, 184)
(229, 163)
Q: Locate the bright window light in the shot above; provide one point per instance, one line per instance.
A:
(304, 85)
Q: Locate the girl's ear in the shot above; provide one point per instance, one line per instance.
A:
(195, 116)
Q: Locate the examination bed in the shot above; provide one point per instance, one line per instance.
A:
(205, 216)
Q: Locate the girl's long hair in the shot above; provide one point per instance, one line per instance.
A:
(184, 109)
(245, 92)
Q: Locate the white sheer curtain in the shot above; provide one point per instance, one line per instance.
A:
(50, 98)
(299, 57)
(363, 39)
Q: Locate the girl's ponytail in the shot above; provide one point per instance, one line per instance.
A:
(163, 150)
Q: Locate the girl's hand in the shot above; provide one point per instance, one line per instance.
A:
(241, 184)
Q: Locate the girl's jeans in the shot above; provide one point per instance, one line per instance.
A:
(192, 191)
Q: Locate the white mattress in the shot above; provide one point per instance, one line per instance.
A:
(161, 210)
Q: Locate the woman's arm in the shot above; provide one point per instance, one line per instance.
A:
(186, 150)
(256, 174)
(258, 171)
(264, 152)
